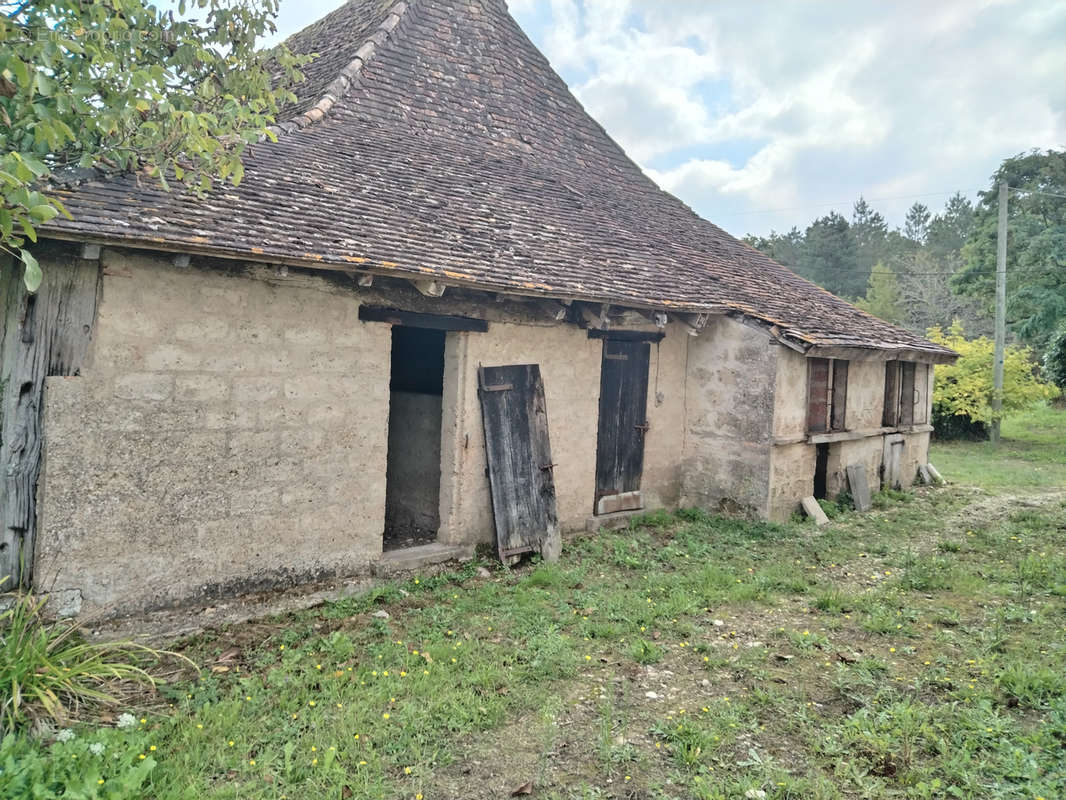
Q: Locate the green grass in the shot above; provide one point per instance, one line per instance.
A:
(915, 651)
(1031, 455)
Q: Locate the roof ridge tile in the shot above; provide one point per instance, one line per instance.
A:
(338, 88)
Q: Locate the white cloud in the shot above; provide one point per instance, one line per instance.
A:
(740, 107)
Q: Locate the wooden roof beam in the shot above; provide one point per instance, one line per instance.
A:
(556, 311)
(429, 288)
(596, 320)
(693, 323)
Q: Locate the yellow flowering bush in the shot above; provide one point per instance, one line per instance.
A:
(962, 392)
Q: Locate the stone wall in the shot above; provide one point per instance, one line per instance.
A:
(570, 367)
(231, 434)
(794, 456)
(730, 419)
(227, 435)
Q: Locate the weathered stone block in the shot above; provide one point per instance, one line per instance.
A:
(173, 357)
(144, 386)
(309, 335)
(208, 328)
(255, 389)
(199, 388)
(215, 295)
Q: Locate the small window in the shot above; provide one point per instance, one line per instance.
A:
(906, 390)
(827, 394)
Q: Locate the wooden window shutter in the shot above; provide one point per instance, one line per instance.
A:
(921, 409)
(840, 395)
(817, 394)
(906, 394)
(890, 417)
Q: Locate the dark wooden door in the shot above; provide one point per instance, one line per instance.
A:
(623, 425)
(522, 485)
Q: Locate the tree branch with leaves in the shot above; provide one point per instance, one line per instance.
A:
(124, 86)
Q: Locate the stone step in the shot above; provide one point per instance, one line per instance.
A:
(612, 521)
(414, 558)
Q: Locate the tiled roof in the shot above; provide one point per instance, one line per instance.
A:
(451, 150)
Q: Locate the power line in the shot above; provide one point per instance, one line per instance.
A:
(846, 202)
(901, 273)
(1037, 191)
(880, 200)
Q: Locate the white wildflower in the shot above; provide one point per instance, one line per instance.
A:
(755, 794)
(126, 720)
(97, 748)
(65, 735)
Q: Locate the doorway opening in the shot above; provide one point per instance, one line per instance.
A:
(412, 475)
(821, 470)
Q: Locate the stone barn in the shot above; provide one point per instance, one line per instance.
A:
(443, 268)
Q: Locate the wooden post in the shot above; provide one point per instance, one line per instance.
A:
(46, 333)
(1001, 313)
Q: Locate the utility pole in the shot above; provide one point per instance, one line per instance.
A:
(1001, 312)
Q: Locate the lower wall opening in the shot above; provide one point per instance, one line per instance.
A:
(821, 470)
(412, 477)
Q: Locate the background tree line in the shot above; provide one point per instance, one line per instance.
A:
(939, 267)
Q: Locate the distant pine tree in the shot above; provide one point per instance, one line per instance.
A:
(883, 298)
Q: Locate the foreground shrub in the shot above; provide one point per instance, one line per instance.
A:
(47, 669)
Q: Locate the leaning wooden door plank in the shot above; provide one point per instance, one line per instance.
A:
(890, 461)
(860, 489)
(45, 334)
(518, 451)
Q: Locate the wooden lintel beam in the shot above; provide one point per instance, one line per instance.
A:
(628, 336)
(429, 288)
(414, 319)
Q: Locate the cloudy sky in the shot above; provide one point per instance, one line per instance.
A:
(765, 115)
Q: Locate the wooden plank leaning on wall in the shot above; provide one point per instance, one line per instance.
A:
(44, 334)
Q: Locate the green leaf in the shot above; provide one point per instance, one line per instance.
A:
(27, 227)
(36, 167)
(32, 275)
(45, 85)
(62, 208)
(21, 71)
(43, 212)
